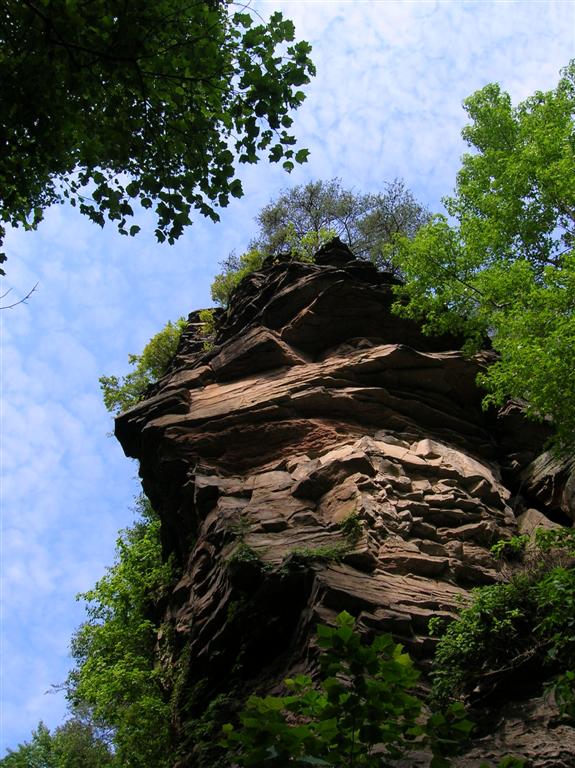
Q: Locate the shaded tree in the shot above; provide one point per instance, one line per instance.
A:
(114, 104)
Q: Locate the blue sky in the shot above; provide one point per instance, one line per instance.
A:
(386, 102)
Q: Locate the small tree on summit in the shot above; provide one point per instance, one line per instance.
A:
(366, 222)
(304, 217)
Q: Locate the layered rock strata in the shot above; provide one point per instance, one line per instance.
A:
(323, 454)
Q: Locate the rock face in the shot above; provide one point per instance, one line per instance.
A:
(324, 455)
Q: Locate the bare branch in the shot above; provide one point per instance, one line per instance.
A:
(20, 301)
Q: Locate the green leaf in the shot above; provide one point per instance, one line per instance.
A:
(221, 75)
(133, 189)
(363, 709)
(242, 19)
(501, 263)
(276, 153)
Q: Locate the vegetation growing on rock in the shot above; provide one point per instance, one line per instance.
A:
(440, 527)
(503, 264)
(362, 711)
(366, 222)
(522, 628)
(499, 266)
(148, 367)
(305, 217)
(301, 248)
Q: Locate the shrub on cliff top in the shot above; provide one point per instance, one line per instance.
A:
(237, 267)
(148, 367)
(303, 218)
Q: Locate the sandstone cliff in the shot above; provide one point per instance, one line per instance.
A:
(325, 455)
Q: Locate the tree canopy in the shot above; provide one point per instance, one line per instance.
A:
(364, 221)
(74, 744)
(112, 105)
(117, 681)
(147, 367)
(502, 263)
(302, 218)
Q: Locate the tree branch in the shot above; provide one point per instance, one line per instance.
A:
(20, 301)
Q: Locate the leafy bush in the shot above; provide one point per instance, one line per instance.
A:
(493, 627)
(301, 248)
(325, 554)
(351, 528)
(362, 714)
(235, 269)
(208, 320)
(510, 549)
(149, 366)
(559, 542)
(243, 553)
(505, 624)
(116, 676)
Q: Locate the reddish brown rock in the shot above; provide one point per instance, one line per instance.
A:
(550, 479)
(324, 455)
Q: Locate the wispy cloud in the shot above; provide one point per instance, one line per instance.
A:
(392, 77)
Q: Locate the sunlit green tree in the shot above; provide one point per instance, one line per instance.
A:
(74, 744)
(501, 264)
(147, 367)
(116, 678)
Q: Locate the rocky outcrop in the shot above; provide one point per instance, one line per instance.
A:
(323, 455)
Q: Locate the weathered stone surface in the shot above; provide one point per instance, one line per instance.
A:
(257, 350)
(326, 455)
(531, 520)
(530, 729)
(551, 480)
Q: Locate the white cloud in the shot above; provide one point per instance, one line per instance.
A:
(392, 77)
